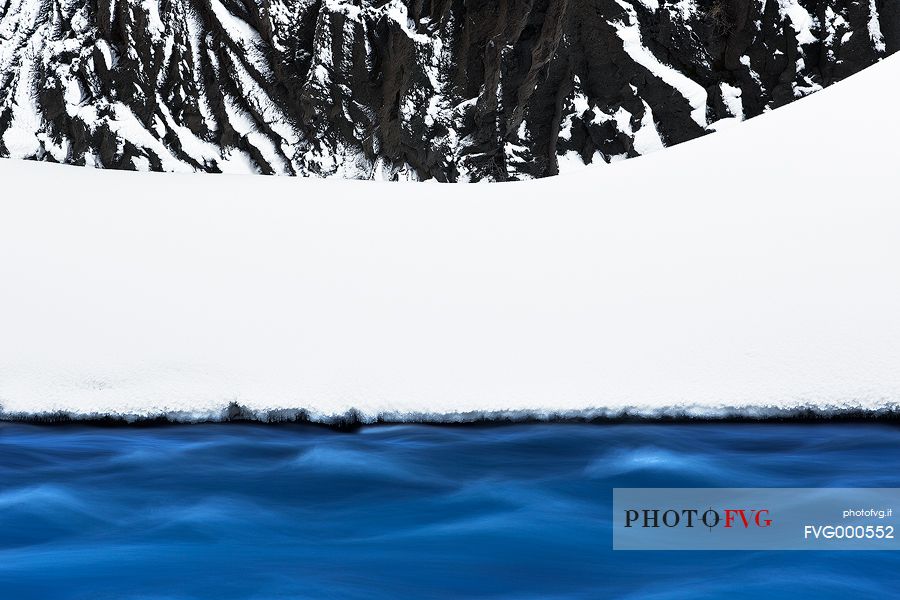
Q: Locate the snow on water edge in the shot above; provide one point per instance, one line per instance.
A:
(750, 273)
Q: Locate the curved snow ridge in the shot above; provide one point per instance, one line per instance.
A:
(673, 281)
(234, 413)
(402, 89)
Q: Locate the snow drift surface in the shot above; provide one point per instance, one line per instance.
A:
(751, 272)
(447, 89)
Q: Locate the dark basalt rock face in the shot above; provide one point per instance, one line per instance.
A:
(455, 90)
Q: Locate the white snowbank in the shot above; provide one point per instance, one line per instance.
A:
(757, 266)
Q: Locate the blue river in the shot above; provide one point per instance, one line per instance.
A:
(222, 511)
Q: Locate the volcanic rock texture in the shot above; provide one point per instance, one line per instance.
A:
(452, 90)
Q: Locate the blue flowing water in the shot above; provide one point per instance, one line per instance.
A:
(266, 512)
